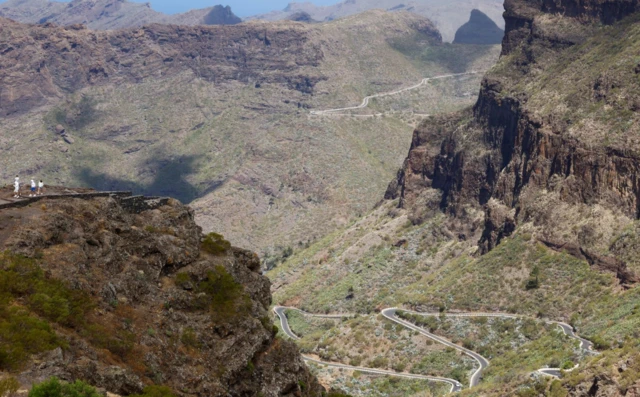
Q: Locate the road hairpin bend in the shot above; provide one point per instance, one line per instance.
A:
(391, 314)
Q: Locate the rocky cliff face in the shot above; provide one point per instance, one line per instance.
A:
(65, 60)
(543, 142)
(150, 306)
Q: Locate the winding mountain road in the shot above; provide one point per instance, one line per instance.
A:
(391, 314)
(484, 363)
(284, 323)
(365, 101)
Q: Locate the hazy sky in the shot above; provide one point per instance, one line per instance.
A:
(242, 8)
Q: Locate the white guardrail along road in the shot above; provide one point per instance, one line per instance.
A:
(365, 101)
(390, 314)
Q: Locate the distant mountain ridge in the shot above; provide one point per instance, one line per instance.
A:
(448, 16)
(109, 14)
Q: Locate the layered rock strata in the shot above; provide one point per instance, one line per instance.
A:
(525, 143)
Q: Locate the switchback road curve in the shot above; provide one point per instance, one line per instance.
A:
(365, 101)
(284, 323)
(391, 314)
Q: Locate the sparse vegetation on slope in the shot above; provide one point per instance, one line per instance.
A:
(246, 138)
(525, 204)
(91, 291)
(373, 342)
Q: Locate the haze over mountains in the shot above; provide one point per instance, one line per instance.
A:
(109, 14)
(448, 16)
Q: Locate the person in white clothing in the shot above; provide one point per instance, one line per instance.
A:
(16, 187)
(33, 188)
(40, 187)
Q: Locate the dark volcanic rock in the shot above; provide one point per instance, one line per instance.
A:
(301, 16)
(479, 30)
(220, 15)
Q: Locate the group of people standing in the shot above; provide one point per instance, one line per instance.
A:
(34, 192)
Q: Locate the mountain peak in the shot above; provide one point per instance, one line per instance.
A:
(221, 15)
(479, 30)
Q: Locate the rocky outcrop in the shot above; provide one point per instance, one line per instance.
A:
(220, 15)
(479, 30)
(510, 152)
(521, 24)
(615, 380)
(301, 16)
(144, 274)
(65, 60)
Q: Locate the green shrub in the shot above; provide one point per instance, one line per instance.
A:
(189, 338)
(182, 279)
(155, 391)
(599, 343)
(399, 366)
(224, 297)
(380, 362)
(21, 335)
(556, 390)
(215, 244)
(8, 386)
(568, 365)
(55, 388)
(120, 342)
(151, 229)
(534, 279)
(459, 374)
(22, 278)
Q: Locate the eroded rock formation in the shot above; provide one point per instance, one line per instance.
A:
(524, 143)
(150, 319)
(65, 60)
